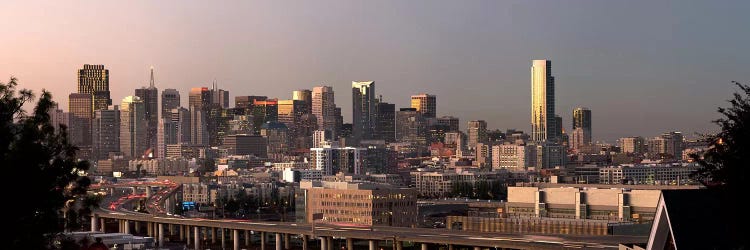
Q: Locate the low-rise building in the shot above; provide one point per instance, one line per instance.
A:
(647, 174)
(359, 203)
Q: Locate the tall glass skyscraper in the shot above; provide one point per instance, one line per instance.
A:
(543, 127)
(364, 117)
(94, 80)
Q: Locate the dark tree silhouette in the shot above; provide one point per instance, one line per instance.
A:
(45, 164)
(725, 164)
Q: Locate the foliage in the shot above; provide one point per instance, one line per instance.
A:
(46, 161)
(725, 164)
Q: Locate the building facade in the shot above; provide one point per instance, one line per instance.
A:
(133, 137)
(94, 80)
(364, 117)
(542, 102)
(425, 104)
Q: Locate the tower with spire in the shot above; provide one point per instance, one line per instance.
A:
(150, 97)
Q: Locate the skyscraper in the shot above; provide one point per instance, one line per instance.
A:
(304, 95)
(410, 126)
(425, 104)
(180, 117)
(219, 96)
(198, 127)
(246, 102)
(364, 118)
(542, 102)
(106, 132)
(199, 98)
(150, 97)
(633, 145)
(450, 122)
(290, 113)
(477, 132)
(94, 80)
(133, 121)
(582, 119)
(324, 108)
(386, 129)
(170, 99)
(81, 113)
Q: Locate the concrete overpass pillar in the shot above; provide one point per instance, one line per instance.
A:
(148, 229)
(182, 232)
(213, 235)
(424, 246)
(262, 240)
(102, 225)
(323, 243)
(137, 227)
(161, 234)
(304, 242)
(286, 241)
(126, 225)
(94, 221)
(223, 238)
(329, 243)
(350, 244)
(197, 239)
(399, 245)
(187, 233)
(247, 238)
(477, 248)
(278, 241)
(372, 244)
(236, 240)
(450, 246)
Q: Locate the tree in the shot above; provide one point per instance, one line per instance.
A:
(725, 164)
(46, 161)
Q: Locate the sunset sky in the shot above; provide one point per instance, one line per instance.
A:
(642, 67)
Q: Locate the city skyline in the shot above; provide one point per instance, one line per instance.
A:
(591, 65)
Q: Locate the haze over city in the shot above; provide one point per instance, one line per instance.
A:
(642, 67)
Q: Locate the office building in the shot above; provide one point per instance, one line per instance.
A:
(650, 175)
(304, 95)
(477, 133)
(133, 137)
(199, 98)
(550, 155)
(633, 145)
(425, 104)
(277, 138)
(324, 108)
(265, 111)
(150, 97)
(94, 80)
(246, 145)
(199, 135)
(320, 137)
(332, 160)
(364, 118)
(58, 117)
(246, 102)
(386, 129)
(451, 122)
(673, 144)
(582, 119)
(367, 204)
(180, 117)
(290, 112)
(410, 127)
(513, 157)
(170, 99)
(106, 133)
(542, 102)
(81, 113)
(579, 139)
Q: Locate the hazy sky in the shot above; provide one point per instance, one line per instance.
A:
(642, 67)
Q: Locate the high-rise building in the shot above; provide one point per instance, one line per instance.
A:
(246, 145)
(170, 99)
(477, 132)
(324, 108)
(386, 129)
(425, 104)
(451, 122)
(320, 137)
(549, 155)
(167, 134)
(364, 118)
(199, 98)
(304, 95)
(58, 117)
(582, 119)
(246, 102)
(339, 128)
(198, 127)
(94, 80)
(106, 132)
(579, 139)
(133, 121)
(558, 129)
(265, 111)
(410, 126)
(290, 113)
(277, 136)
(513, 156)
(542, 102)
(150, 97)
(333, 160)
(633, 145)
(673, 144)
(180, 117)
(81, 113)
(219, 96)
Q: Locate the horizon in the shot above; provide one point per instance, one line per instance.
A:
(667, 70)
